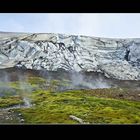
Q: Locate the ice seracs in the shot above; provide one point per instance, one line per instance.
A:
(116, 58)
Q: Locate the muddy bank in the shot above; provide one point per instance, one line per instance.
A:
(13, 74)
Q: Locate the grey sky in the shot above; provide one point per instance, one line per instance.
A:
(101, 25)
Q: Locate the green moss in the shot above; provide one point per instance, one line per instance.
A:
(31, 82)
(92, 109)
(21, 85)
(54, 85)
(10, 101)
(15, 85)
(3, 84)
(36, 80)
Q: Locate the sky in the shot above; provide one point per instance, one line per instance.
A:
(99, 25)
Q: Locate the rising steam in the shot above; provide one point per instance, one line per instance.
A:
(90, 82)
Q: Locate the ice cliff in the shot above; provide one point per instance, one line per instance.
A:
(115, 58)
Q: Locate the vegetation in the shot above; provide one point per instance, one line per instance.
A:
(98, 106)
(10, 101)
(54, 85)
(57, 108)
(32, 82)
(36, 80)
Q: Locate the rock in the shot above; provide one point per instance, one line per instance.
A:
(19, 114)
(8, 112)
(116, 58)
(7, 118)
(76, 119)
(22, 120)
(120, 95)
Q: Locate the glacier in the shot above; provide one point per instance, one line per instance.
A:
(115, 58)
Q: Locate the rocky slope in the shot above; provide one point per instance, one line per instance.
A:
(116, 58)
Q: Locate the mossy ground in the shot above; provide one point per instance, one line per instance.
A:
(100, 106)
(10, 101)
(56, 108)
